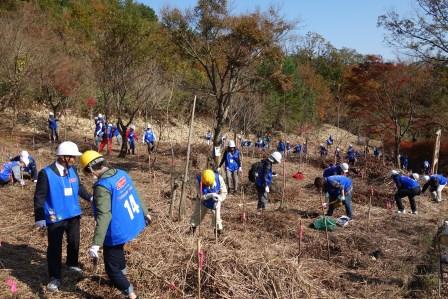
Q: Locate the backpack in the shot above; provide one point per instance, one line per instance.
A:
(255, 171)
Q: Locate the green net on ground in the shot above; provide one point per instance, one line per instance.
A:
(319, 223)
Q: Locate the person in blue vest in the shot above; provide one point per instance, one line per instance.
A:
(330, 141)
(339, 189)
(116, 134)
(56, 207)
(406, 186)
(297, 149)
(232, 162)
(351, 155)
(31, 168)
(120, 217)
(211, 192)
(53, 127)
(246, 143)
(404, 162)
(426, 167)
(99, 130)
(435, 183)
(376, 152)
(10, 172)
(338, 169)
(337, 154)
(208, 137)
(149, 138)
(323, 150)
(132, 138)
(281, 146)
(263, 180)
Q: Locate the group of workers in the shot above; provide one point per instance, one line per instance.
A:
(105, 132)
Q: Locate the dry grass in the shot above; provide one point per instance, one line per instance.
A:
(258, 258)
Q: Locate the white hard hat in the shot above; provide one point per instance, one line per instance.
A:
(24, 154)
(132, 127)
(350, 145)
(25, 160)
(415, 176)
(148, 126)
(321, 144)
(68, 148)
(275, 157)
(394, 172)
(426, 178)
(109, 125)
(50, 113)
(231, 143)
(344, 167)
(100, 115)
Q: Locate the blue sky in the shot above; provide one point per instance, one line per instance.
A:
(344, 23)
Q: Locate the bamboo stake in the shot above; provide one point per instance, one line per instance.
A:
(184, 182)
(199, 266)
(325, 221)
(282, 203)
(300, 241)
(370, 206)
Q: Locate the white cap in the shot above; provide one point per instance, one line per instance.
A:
(415, 176)
(394, 172)
(132, 127)
(275, 157)
(100, 115)
(231, 143)
(344, 167)
(24, 154)
(50, 113)
(25, 160)
(426, 178)
(68, 148)
(148, 126)
(350, 145)
(109, 125)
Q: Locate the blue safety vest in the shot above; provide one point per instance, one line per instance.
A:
(127, 215)
(6, 170)
(52, 123)
(261, 180)
(281, 147)
(332, 170)
(232, 160)
(440, 178)
(131, 136)
(62, 198)
(344, 181)
(149, 136)
(405, 182)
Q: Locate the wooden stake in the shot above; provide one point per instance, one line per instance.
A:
(300, 241)
(282, 203)
(370, 206)
(325, 221)
(184, 182)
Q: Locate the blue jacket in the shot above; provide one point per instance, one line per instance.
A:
(6, 170)
(52, 123)
(405, 182)
(330, 140)
(336, 183)
(149, 137)
(127, 215)
(332, 170)
(298, 148)
(351, 154)
(31, 168)
(281, 146)
(265, 178)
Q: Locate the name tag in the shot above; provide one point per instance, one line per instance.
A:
(231, 160)
(68, 191)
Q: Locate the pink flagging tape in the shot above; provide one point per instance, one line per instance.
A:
(12, 285)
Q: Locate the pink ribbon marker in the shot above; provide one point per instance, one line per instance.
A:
(12, 285)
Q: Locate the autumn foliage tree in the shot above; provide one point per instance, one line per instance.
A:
(225, 49)
(385, 97)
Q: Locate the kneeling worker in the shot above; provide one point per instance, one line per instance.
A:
(212, 191)
(120, 217)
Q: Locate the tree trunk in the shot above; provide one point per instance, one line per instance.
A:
(124, 140)
(220, 120)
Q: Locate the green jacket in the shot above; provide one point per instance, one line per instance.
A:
(102, 199)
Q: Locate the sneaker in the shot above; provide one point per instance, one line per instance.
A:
(53, 285)
(76, 270)
(192, 230)
(415, 212)
(401, 211)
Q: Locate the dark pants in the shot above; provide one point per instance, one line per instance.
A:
(347, 204)
(131, 147)
(262, 198)
(410, 193)
(54, 135)
(54, 250)
(150, 147)
(115, 264)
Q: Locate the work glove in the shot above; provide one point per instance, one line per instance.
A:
(22, 183)
(327, 196)
(240, 170)
(266, 189)
(325, 205)
(41, 224)
(34, 181)
(208, 196)
(147, 220)
(342, 197)
(93, 252)
(217, 197)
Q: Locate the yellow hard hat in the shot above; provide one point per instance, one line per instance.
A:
(208, 177)
(88, 157)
